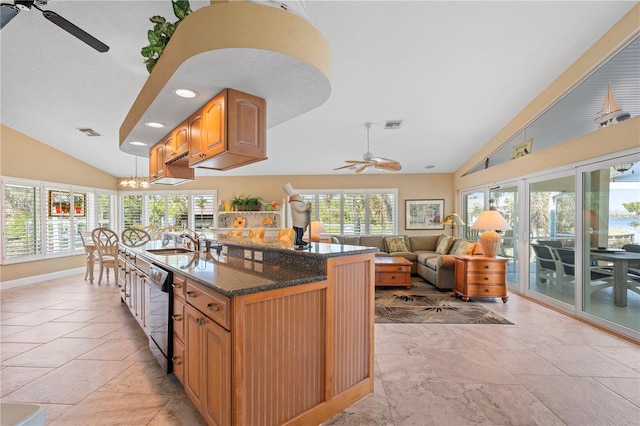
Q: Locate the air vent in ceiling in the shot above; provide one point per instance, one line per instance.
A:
(393, 124)
(88, 131)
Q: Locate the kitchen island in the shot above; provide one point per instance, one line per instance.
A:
(269, 335)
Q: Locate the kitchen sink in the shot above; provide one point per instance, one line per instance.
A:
(169, 251)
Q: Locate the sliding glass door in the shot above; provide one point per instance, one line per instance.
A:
(552, 218)
(611, 241)
(505, 200)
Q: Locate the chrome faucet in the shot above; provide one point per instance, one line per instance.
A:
(195, 242)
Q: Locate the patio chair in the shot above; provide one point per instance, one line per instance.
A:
(547, 264)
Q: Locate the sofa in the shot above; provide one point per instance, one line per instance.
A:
(431, 255)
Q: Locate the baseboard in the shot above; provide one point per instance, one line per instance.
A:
(5, 285)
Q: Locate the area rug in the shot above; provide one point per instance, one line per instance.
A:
(423, 303)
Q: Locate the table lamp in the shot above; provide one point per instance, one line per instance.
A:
(317, 228)
(491, 221)
(454, 220)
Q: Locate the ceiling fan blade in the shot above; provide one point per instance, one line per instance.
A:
(7, 13)
(75, 31)
(392, 167)
(344, 167)
(383, 160)
(362, 168)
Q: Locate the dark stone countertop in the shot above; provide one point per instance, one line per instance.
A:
(231, 274)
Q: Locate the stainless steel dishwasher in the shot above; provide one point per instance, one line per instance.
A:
(159, 302)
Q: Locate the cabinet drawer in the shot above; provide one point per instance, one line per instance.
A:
(178, 317)
(179, 285)
(488, 291)
(178, 359)
(485, 279)
(393, 268)
(392, 278)
(488, 266)
(210, 303)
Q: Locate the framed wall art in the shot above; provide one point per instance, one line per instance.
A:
(423, 214)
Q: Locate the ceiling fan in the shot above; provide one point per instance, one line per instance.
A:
(9, 11)
(368, 160)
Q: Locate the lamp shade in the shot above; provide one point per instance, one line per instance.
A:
(453, 219)
(317, 228)
(492, 221)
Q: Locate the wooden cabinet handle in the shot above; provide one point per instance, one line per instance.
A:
(176, 361)
(200, 321)
(174, 285)
(191, 294)
(486, 266)
(213, 307)
(176, 318)
(486, 278)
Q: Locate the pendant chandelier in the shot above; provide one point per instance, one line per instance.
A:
(134, 182)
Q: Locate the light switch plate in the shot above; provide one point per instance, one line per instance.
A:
(257, 256)
(247, 254)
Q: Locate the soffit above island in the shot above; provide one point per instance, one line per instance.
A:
(258, 49)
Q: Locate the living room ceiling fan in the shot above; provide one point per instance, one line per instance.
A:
(368, 160)
(9, 11)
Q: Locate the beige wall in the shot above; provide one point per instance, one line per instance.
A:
(24, 157)
(612, 139)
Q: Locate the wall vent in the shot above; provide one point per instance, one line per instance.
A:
(393, 124)
(88, 131)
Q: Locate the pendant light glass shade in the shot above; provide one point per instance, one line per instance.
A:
(134, 182)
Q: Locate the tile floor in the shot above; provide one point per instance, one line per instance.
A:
(73, 348)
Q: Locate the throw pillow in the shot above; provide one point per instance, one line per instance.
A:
(463, 247)
(396, 244)
(445, 245)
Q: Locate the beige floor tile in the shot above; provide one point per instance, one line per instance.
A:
(432, 403)
(524, 362)
(69, 384)
(43, 333)
(511, 405)
(144, 377)
(12, 378)
(403, 367)
(55, 353)
(37, 317)
(96, 330)
(579, 360)
(80, 316)
(8, 330)
(627, 388)
(582, 400)
(106, 408)
(179, 411)
(141, 355)
(114, 350)
(466, 366)
(9, 350)
(53, 411)
(627, 355)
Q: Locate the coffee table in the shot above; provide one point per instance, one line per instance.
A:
(392, 271)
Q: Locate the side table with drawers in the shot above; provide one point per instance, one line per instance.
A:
(480, 276)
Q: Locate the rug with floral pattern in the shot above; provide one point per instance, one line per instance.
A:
(423, 303)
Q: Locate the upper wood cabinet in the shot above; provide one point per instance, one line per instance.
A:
(178, 143)
(229, 131)
(156, 160)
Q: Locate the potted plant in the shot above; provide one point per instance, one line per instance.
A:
(238, 203)
(78, 204)
(253, 203)
(57, 206)
(162, 32)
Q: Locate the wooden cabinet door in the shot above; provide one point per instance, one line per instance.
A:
(169, 146)
(214, 135)
(156, 160)
(196, 137)
(246, 121)
(180, 140)
(217, 373)
(193, 356)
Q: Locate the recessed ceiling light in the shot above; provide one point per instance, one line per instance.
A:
(154, 124)
(430, 166)
(185, 93)
(136, 143)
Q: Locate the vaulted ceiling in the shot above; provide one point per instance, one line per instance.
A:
(454, 72)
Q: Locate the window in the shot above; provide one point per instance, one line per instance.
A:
(184, 210)
(355, 212)
(45, 219)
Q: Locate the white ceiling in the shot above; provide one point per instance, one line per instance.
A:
(454, 72)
